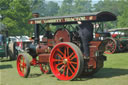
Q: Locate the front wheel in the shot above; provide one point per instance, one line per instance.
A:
(66, 61)
(23, 65)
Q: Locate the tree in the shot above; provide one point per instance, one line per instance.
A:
(39, 6)
(82, 6)
(66, 7)
(115, 6)
(51, 8)
(16, 15)
(123, 19)
(45, 8)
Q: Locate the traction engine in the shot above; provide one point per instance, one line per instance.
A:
(65, 58)
(61, 53)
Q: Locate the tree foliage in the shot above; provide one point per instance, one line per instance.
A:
(114, 6)
(118, 7)
(66, 7)
(82, 6)
(123, 19)
(75, 6)
(52, 8)
(45, 9)
(16, 15)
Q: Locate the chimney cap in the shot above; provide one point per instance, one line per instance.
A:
(35, 15)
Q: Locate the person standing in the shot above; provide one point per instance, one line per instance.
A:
(86, 34)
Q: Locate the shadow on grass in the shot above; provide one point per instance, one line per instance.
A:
(124, 51)
(34, 75)
(5, 66)
(6, 60)
(105, 73)
(110, 72)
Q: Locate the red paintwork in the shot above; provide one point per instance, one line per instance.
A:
(62, 20)
(19, 44)
(64, 59)
(62, 35)
(41, 48)
(94, 46)
(44, 69)
(51, 42)
(97, 35)
(34, 62)
(44, 58)
(21, 65)
(92, 63)
(114, 35)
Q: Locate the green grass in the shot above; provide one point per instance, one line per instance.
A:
(115, 72)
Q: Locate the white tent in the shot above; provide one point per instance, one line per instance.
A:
(2, 26)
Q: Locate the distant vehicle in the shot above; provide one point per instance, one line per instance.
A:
(24, 38)
(7, 48)
(118, 41)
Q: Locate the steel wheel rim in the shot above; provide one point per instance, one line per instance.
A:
(110, 47)
(21, 65)
(64, 63)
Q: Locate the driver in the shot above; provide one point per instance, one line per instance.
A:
(86, 34)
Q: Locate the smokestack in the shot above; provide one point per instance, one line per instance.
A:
(35, 15)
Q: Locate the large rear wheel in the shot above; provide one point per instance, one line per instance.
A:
(66, 61)
(23, 65)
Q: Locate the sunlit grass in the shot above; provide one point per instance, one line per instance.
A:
(115, 72)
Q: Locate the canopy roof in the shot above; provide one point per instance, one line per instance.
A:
(118, 29)
(73, 19)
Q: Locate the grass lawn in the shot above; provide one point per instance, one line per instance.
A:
(115, 72)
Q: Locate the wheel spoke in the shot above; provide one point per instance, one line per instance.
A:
(60, 51)
(60, 56)
(61, 68)
(67, 51)
(67, 72)
(64, 69)
(72, 66)
(70, 69)
(73, 57)
(73, 62)
(59, 64)
(23, 70)
(21, 60)
(56, 60)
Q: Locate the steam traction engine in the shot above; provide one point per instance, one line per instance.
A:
(62, 51)
(118, 42)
